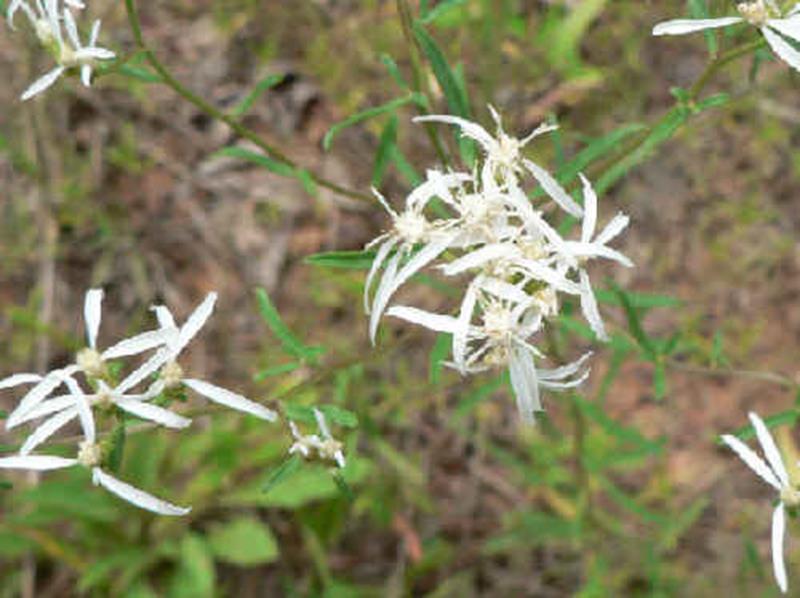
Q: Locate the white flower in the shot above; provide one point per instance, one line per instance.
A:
(172, 375)
(763, 14)
(69, 53)
(410, 229)
(504, 155)
(91, 361)
(326, 447)
(774, 473)
(89, 456)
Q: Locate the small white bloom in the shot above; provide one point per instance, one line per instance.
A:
(774, 473)
(763, 14)
(173, 375)
(69, 53)
(326, 447)
(89, 456)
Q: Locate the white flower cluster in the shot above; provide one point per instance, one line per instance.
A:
(766, 15)
(486, 224)
(326, 448)
(158, 373)
(774, 473)
(57, 31)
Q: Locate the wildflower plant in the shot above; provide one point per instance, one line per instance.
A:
(517, 262)
(517, 244)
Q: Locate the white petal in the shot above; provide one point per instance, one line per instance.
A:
(164, 316)
(35, 396)
(86, 54)
(565, 371)
(137, 497)
(681, 26)
(147, 369)
(386, 280)
(789, 27)
(86, 75)
(92, 315)
(195, 321)
(42, 83)
(431, 321)
(538, 131)
(461, 333)
(322, 424)
(36, 462)
(770, 449)
(421, 259)
(752, 460)
(590, 210)
(478, 258)
(47, 429)
(506, 291)
(380, 258)
(782, 48)
(553, 189)
(18, 379)
(593, 250)
(550, 276)
(140, 343)
(153, 413)
(72, 30)
(778, 531)
(468, 128)
(48, 407)
(95, 33)
(13, 7)
(525, 384)
(230, 399)
(589, 307)
(612, 229)
(84, 410)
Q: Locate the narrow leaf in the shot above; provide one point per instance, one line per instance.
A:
(442, 71)
(272, 318)
(282, 472)
(246, 104)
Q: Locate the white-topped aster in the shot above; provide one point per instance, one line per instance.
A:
(774, 473)
(324, 447)
(57, 31)
(765, 15)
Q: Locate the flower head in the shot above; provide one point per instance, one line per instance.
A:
(325, 447)
(766, 15)
(773, 472)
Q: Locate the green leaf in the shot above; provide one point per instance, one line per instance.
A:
(405, 168)
(564, 44)
(3, 414)
(332, 413)
(414, 98)
(595, 150)
(442, 9)
(102, 569)
(262, 86)
(698, 10)
(117, 446)
(438, 355)
(257, 158)
(635, 324)
(139, 73)
(195, 575)
(383, 155)
(290, 342)
(283, 472)
(343, 260)
(394, 71)
(342, 485)
(442, 71)
(660, 133)
(244, 541)
(277, 370)
(788, 417)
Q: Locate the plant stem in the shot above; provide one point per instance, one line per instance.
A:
(419, 80)
(217, 114)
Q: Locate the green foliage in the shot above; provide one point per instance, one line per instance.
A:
(243, 541)
(279, 168)
(261, 87)
(291, 344)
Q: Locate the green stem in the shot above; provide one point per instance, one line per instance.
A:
(217, 114)
(419, 80)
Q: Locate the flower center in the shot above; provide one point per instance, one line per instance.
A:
(44, 32)
(508, 151)
(790, 496)
(91, 362)
(89, 454)
(756, 13)
(411, 226)
(172, 374)
(327, 449)
(497, 322)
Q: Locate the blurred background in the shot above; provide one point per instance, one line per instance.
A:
(621, 492)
